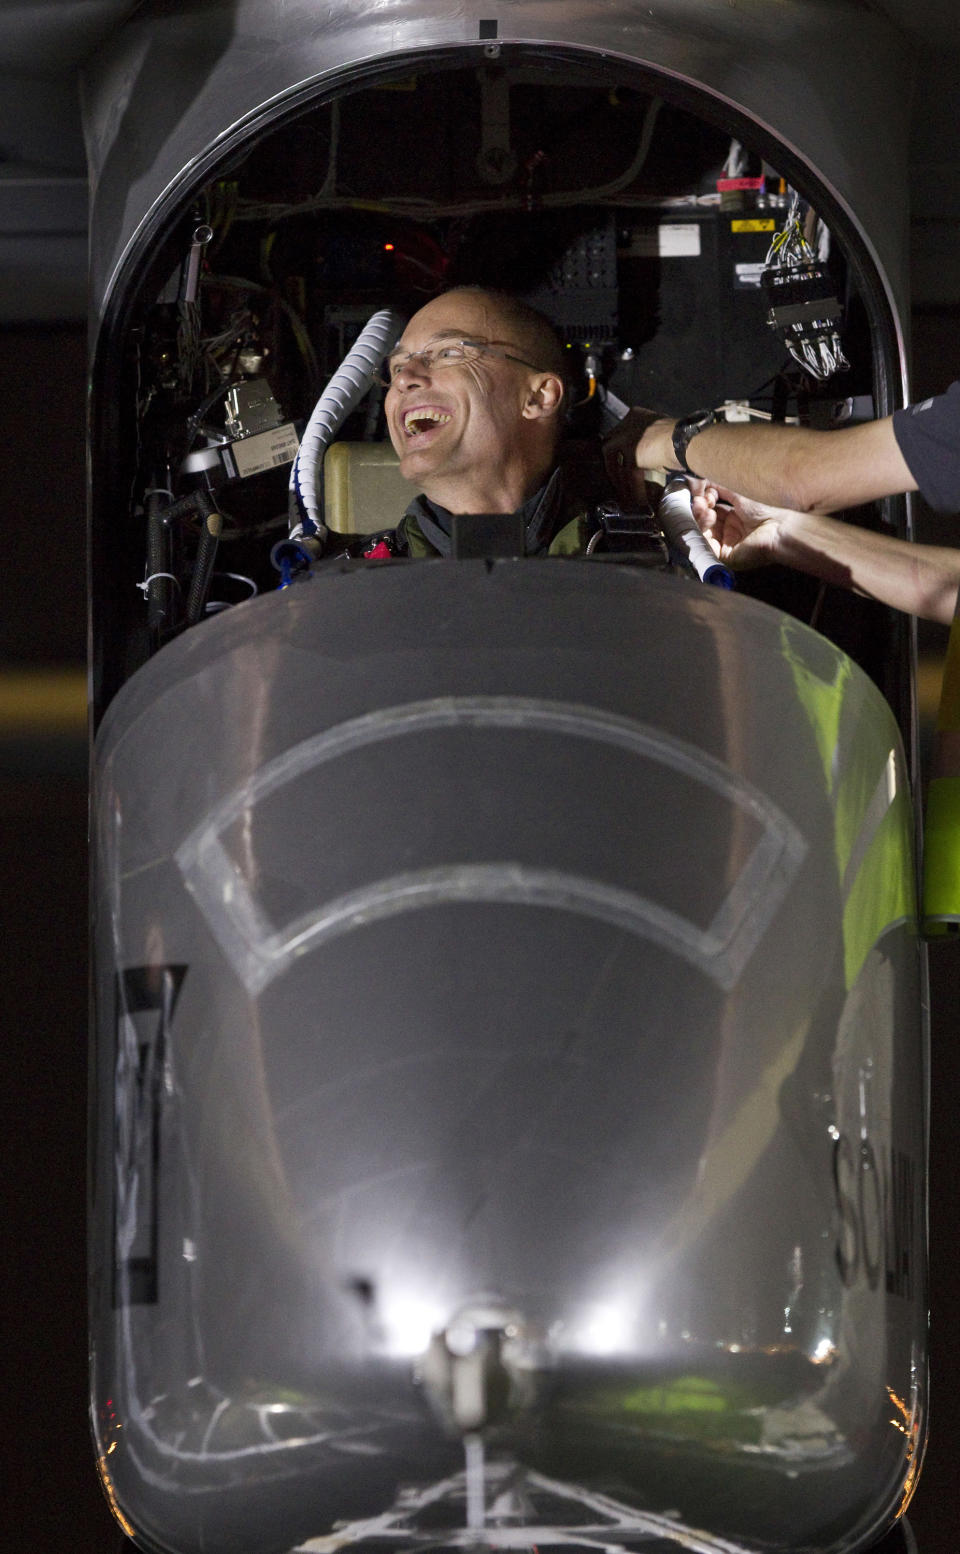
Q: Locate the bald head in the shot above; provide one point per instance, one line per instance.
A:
(525, 324)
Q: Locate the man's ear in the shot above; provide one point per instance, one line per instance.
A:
(544, 397)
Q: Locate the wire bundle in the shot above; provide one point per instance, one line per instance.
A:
(803, 306)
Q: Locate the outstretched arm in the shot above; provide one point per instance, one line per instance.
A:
(921, 579)
(792, 466)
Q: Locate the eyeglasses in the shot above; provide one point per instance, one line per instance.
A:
(454, 353)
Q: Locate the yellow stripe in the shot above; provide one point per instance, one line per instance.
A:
(883, 891)
(941, 860)
(43, 700)
(941, 828)
(865, 792)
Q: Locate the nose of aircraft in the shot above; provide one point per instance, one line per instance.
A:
(473, 1372)
(535, 1096)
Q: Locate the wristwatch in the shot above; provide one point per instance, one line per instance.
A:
(686, 429)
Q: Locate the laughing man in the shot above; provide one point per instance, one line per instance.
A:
(473, 406)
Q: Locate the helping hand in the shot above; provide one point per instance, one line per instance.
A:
(742, 533)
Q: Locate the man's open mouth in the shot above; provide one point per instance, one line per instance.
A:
(423, 420)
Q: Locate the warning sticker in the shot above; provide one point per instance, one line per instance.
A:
(754, 224)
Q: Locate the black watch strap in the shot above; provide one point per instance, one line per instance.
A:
(685, 430)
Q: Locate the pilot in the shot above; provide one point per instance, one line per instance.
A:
(917, 448)
(474, 411)
(473, 407)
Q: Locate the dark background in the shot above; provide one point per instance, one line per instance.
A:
(53, 1500)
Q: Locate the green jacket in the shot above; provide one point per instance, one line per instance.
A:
(556, 517)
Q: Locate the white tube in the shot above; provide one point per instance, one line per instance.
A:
(675, 516)
(342, 394)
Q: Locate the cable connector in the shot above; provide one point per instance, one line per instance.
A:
(735, 410)
(292, 559)
(800, 294)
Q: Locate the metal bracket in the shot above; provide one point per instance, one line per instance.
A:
(496, 162)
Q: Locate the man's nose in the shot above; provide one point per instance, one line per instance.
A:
(414, 367)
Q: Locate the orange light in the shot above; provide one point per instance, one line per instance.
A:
(388, 248)
(108, 1489)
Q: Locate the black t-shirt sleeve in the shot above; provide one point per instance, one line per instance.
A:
(928, 436)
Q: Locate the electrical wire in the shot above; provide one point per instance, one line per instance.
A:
(429, 210)
(607, 190)
(213, 606)
(754, 414)
(424, 210)
(297, 326)
(144, 586)
(792, 263)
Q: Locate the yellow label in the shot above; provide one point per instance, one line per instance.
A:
(941, 860)
(760, 224)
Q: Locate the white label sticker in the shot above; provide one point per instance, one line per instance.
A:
(667, 240)
(267, 450)
(679, 240)
(749, 274)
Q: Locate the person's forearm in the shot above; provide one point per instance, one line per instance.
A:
(920, 579)
(789, 466)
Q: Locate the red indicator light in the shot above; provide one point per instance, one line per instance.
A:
(388, 248)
